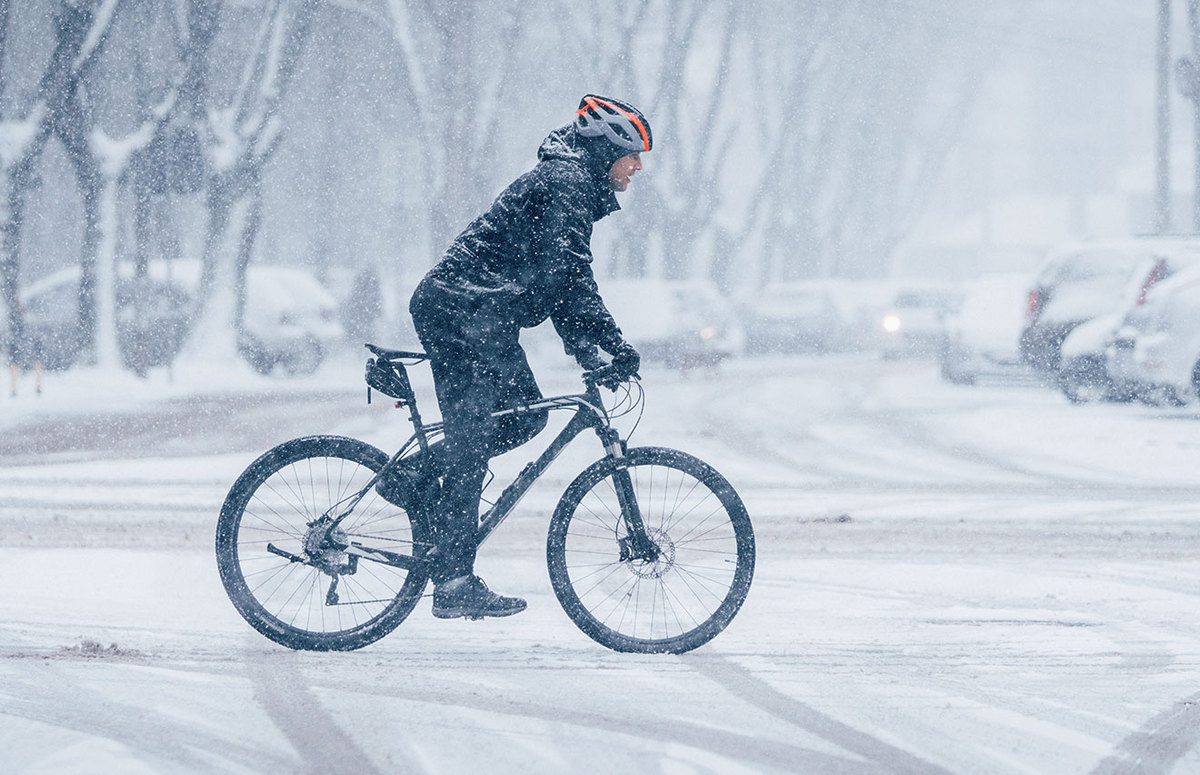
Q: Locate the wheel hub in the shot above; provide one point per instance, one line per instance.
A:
(322, 545)
(655, 569)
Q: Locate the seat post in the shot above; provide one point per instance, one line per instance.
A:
(414, 417)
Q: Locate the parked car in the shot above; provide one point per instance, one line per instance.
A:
(151, 320)
(290, 319)
(792, 317)
(914, 322)
(1082, 281)
(680, 324)
(1081, 371)
(1155, 353)
(982, 336)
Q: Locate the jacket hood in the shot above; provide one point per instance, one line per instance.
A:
(594, 154)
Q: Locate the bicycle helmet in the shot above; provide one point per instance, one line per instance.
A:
(623, 124)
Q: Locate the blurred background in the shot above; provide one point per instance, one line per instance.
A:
(266, 180)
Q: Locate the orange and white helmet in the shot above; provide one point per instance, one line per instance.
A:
(623, 124)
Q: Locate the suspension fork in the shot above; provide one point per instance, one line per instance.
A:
(636, 544)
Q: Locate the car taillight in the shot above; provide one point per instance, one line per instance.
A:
(1036, 299)
(1157, 273)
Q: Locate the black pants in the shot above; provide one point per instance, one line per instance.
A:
(478, 367)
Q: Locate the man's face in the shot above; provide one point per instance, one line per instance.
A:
(622, 170)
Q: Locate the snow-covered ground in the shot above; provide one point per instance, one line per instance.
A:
(950, 579)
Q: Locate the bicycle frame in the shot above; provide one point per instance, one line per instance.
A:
(589, 413)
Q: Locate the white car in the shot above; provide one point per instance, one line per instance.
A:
(1156, 350)
(676, 323)
(1081, 281)
(152, 319)
(793, 317)
(1083, 374)
(982, 336)
(290, 319)
(915, 320)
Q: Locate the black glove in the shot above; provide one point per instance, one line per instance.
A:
(590, 360)
(625, 361)
(624, 366)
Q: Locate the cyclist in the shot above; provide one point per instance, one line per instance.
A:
(526, 259)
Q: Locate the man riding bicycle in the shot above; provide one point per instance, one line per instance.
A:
(525, 260)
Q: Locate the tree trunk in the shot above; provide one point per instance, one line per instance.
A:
(3, 40)
(233, 198)
(107, 350)
(455, 23)
(214, 338)
(76, 27)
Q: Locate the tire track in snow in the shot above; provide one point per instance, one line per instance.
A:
(50, 697)
(750, 749)
(311, 729)
(177, 427)
(1159, 745)
(861, 440)
(748, 687)
(914, 459)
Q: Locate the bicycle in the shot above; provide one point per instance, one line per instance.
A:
(649, 549)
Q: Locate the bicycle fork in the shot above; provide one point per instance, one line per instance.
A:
(636, 544)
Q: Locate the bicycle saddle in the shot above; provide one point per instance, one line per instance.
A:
(396, 355)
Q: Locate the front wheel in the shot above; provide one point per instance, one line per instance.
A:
(676, 602)
(282, 558)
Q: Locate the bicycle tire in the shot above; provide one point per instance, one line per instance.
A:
(679, 602)
(273, 502)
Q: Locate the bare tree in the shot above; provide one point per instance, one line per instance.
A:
(3, 38)
(80, 31)
(102, 161)
(240, 137)
(818, 164)
(456, 60)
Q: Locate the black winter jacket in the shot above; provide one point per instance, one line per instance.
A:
(528, 258)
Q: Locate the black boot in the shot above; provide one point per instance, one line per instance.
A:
(469, 597)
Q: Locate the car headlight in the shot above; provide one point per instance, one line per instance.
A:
(708, 332)
(891, 323)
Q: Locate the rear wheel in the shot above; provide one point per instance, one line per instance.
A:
(1084, 380)
(280, 556)
(688, 594)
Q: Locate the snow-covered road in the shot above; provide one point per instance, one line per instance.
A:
(949, 580)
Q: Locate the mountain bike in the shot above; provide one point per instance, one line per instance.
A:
(649, 549)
